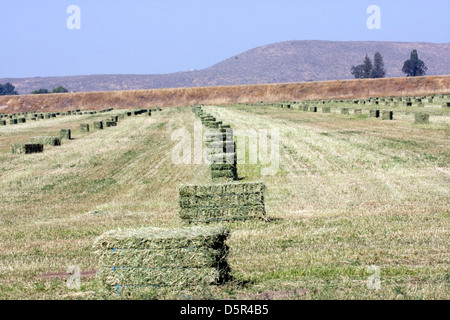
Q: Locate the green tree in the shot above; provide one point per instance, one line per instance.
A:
(367, 67)
(60, 89)
(378, 70)
(414, 67)
(40, 91)
(7, 89)
(357, 71)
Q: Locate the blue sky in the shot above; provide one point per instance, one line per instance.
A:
(163, 36)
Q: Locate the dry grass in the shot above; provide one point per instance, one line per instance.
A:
(351, 192)
(345, 89)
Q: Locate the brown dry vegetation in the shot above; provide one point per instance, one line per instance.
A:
(346, 89)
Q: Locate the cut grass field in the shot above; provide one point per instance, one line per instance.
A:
(351, 192)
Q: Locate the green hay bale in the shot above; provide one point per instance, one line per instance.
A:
(358, 111)
(387, 115)
(26, 148)
(306, 107)
(3, 123)
(446, 105)
(98, 125)
(313, 109)
(115, 118)
(13, 121)
(222, 158)
(84, 127)
(224, 174)
(421, 118)
(374, 113)
(149, 113)
(121, 116)
(326, 109)
(163, 261)
(22, 120)
(221, 147)
(109, 123)
(222, 202)
(345, 111)
(65, 134)
(46, 140)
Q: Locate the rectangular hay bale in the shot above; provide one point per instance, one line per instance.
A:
(26, 148)
(163, 262)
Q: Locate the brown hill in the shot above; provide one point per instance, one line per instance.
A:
(291, 61)
(346, 89)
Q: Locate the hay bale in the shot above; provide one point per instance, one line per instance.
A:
(13, 121)
(345, 111)
(421, 118)
(387, 115)
(313, 109)
(46, 140)
(3, 123)
(326, 109)
(222, 202)
(358, 111)
(84, 127)
(22, 120)
(65, 134)
(160, 263)
(374, 113)
(121, 116)
(109, 123)
(98, 125)
(446, 105)
(26, 148)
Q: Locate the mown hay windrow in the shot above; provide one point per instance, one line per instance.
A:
(46, 140)
(221, 202)
(26, 148)
(162, 260)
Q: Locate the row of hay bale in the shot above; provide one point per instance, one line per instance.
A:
(156, 263)
(419, 117)
(220, 146)
(36, 144)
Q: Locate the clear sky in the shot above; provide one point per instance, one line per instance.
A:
(163, 36)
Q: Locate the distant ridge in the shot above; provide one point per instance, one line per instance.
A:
(290, 61)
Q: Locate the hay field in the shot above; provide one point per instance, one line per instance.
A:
(351, 192)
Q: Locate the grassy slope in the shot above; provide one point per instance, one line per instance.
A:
(352, 192)
(347, 89)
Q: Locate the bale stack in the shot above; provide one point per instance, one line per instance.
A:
(421, 118)
(26, 148)
(222, 202)
(160, 263)
(65, 134)
(47, 141)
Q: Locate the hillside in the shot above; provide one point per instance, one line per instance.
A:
(347, 89)
(290, 61)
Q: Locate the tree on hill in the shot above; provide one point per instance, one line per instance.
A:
(368, 70)
(7, 89)
(414, 67)
(40, 91)
(60, 89)
(378, 70)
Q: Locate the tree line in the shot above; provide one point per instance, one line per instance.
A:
(414, 67)
(8, 89)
